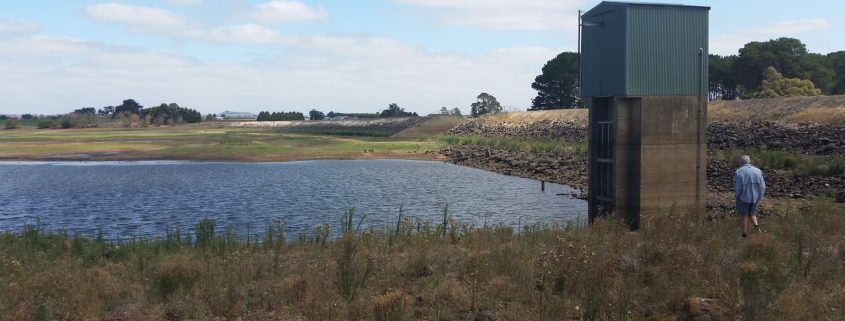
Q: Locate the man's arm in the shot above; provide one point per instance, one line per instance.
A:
(737, 185)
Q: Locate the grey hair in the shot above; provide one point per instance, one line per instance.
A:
(744, 159)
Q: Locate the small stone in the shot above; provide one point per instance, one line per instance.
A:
(485, 315)
(704, 309)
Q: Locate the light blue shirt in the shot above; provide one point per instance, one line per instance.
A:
(749, 185)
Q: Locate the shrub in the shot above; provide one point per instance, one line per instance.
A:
(393, 306)
(47, 124)
(175, 273)
(11, 123)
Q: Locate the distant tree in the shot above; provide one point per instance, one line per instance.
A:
(722, 84)
(280, 116)
(393, 110)
(209, 117)
(4, 117)
(171, 114)
(485, 104)
(557, 86)
(106, 111)
(837, 64)
(316, 115)
(85, 110)
(456, 111)
(29, 117)
(444, 110)
(129, 106)
(787, 55)
(775, 85)
(818, 69)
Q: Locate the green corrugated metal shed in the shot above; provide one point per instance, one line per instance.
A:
(644, 49)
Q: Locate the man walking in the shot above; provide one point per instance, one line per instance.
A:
(749, 187)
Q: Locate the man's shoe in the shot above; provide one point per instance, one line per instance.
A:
(744, 235)
(758, 229)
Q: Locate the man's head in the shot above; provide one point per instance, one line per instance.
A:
(744, 159)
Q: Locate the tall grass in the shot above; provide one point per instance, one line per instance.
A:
(416, 270)
(799, 165)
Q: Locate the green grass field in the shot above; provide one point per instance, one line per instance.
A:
(199, 142)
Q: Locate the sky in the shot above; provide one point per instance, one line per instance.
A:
(332, 55)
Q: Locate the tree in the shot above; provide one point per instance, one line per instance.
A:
(456, 111)
(28, 117)
(485, 104)
(105, 111)
(444, 110)
(171, 114)
(85, 110)
(316, 115)
(722, 84)
(784, 54)
(775, 85)
(837, 64)
(129, 106)
(557, 86)
(817, 68)
(393, 110)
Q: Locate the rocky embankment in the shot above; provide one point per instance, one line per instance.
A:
(571, 169)
(807, 139)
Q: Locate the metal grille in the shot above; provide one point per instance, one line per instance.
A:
(603, 167)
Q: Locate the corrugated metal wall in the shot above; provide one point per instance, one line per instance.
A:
(663, 50)
(631, 49)
(603, 51)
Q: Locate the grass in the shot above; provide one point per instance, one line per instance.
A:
(533, 145)
(797, 164)
(414, 271)
(199, 142)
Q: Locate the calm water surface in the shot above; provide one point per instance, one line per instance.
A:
(149, 198)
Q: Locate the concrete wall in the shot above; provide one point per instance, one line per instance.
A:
(660, 156)
(673, 154)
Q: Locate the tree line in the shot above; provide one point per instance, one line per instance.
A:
(128, 114)
(762, 69)
(279, 116)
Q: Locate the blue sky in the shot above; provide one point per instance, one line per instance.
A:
(350, 56)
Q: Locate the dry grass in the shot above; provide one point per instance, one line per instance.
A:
(820, 109)
(421, 271)
(578, 116)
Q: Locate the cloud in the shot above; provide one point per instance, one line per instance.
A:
(730, 43)
(183, 2)
(537, 15)
(329, 72)
(165, 23)
(17, 28)
(140, 19)
(287, 11)
(247, 33)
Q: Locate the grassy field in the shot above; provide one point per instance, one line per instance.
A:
(199, 142)
(436, 271)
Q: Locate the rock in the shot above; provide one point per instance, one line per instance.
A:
(128, 311)
(485, 315)
(703, 309)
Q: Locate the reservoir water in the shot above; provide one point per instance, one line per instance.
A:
(128, 199)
